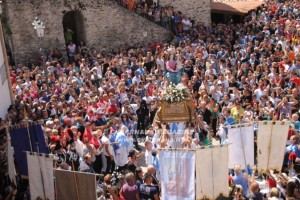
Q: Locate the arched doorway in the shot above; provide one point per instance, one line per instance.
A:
(73, 23)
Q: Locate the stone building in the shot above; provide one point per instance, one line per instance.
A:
(198, 10)
(98, 23)
(223, 11)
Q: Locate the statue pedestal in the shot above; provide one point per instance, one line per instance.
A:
(182, 111)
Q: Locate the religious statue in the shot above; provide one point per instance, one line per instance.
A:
(173, 67)
(176, 105)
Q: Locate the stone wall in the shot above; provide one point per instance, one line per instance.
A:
(199, 10)
(105, 24)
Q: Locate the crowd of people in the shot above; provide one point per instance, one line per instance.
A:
(165, 16)
(98, 107)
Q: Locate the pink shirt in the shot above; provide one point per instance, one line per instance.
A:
(130, 191)
(171, 65)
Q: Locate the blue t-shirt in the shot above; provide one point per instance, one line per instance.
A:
(141, 71)
(295, 149)
(240, 180)
(147, 192)
(229, 121)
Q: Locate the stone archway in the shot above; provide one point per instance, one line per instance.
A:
(73, 23)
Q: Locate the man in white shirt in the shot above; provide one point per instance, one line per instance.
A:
(187, 24)
(136, 79)
(195, 143)
(147, 98)
(78, 144)
(148, 153)
(210, 70)
(259, 92)
(98, 67)
(108, 152)
(86, 164)
(71, 50)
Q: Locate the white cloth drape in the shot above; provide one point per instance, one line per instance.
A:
(212, 172)
(271, 142)
(41, 178)
(177, 175)
(241, 148)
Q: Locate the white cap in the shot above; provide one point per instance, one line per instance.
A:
(49, 122)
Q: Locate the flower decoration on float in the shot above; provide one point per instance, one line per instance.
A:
(176, 93)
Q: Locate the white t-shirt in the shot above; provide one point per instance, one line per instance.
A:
(148, 158)
(72, 49)
(194, 146)
(123, 96)
(99, 70)
(147, 99)
(136, 80)
(155, 138)
(222, 134)
(79, 147)
(83, 166)
(106, 141)
(259, 93)
(186, 24)
(161, 62)
(27, 84)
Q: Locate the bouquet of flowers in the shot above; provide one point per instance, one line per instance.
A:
(175, 93)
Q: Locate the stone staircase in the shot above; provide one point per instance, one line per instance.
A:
(139, 10)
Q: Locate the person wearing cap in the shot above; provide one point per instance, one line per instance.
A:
(50, 124)
(98, 69)
(52, 143)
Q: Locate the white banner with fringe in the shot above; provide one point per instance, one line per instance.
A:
(271, 144)
(177, 174)
(41, 177)
(212, 172)
(241, 148)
